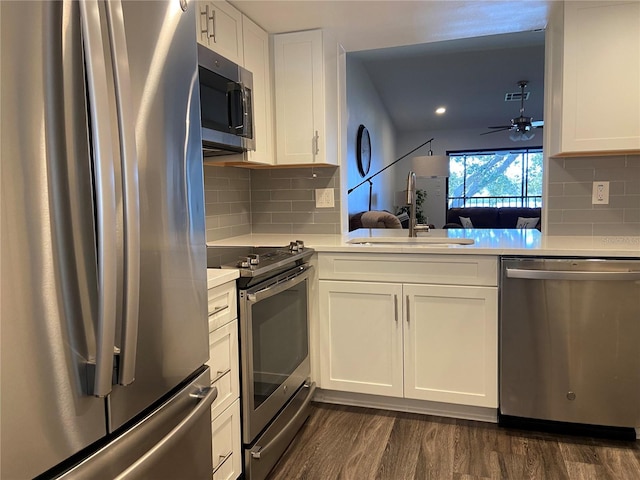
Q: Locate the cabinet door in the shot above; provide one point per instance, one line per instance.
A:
(361, 337)
(601, 86)
(226, 444)
(451, 344)
(219, 27)
(299, 87)
(256, 60)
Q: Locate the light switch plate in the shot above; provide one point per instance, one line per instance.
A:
(324, 198)
(600, 195)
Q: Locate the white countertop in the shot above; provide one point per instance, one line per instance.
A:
(217, 276)
(486, 242)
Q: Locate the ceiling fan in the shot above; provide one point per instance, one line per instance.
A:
(521, 127)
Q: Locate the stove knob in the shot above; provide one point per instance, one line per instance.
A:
(243, 262)
(254, 259)
(300, 245)
(293, 246)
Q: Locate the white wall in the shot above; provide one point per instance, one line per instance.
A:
(364, 107)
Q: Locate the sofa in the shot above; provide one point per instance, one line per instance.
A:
(493, 217)
(373, 219)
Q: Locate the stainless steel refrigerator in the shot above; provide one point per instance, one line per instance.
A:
(103, 255)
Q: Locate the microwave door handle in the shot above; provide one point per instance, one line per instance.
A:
(235, 97)
(245, 105)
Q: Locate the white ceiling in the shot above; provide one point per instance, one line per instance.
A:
(464, 55)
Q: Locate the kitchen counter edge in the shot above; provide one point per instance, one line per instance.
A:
(217, 276)
(486, 242)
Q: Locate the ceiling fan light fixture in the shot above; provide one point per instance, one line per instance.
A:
(521, 127)
(517, 135)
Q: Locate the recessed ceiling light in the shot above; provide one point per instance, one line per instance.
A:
(440, 110)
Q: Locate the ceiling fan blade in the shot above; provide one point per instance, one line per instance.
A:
(502, 129)
(502, 126)
(537, 124)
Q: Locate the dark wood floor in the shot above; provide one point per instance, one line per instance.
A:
(339, 442)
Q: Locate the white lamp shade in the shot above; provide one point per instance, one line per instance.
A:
(430, 166)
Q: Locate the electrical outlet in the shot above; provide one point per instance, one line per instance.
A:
(600, 195)
(324, 198)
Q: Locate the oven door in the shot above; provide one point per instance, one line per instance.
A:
(274, 343)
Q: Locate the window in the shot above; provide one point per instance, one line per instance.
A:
(496, 178)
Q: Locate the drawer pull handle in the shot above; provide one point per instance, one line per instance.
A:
(219, 375)
(223, 458)
(219, 309)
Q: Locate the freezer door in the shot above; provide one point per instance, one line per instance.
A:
(163, 88)
(172, 442)
(49, 275)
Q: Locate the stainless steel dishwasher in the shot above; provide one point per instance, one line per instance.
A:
(570, 341)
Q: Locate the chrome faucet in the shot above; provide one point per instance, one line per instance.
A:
(414, 227)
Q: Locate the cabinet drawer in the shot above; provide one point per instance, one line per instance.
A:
(223, 305)
(226, 448)
(224, 364)
(410, 268)
(227, 393)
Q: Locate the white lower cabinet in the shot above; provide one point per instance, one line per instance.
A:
(226, 448)
(224, 365)
(451, 344)
(361, 336)
(409, 340)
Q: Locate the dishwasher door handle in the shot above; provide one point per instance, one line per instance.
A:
(572, 275)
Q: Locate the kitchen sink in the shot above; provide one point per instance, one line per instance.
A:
(436, 241)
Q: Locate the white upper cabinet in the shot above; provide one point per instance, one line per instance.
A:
(219, 27)
(306, 99)
(597, 69)
(256, 60)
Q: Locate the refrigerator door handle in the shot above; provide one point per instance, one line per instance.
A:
(130, 189)
(140, 469)
(105, 195)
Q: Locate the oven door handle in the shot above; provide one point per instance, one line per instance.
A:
(280, 286)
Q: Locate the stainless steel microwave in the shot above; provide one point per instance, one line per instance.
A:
(226, 105)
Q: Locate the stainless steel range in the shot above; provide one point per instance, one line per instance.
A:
(273, 293)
